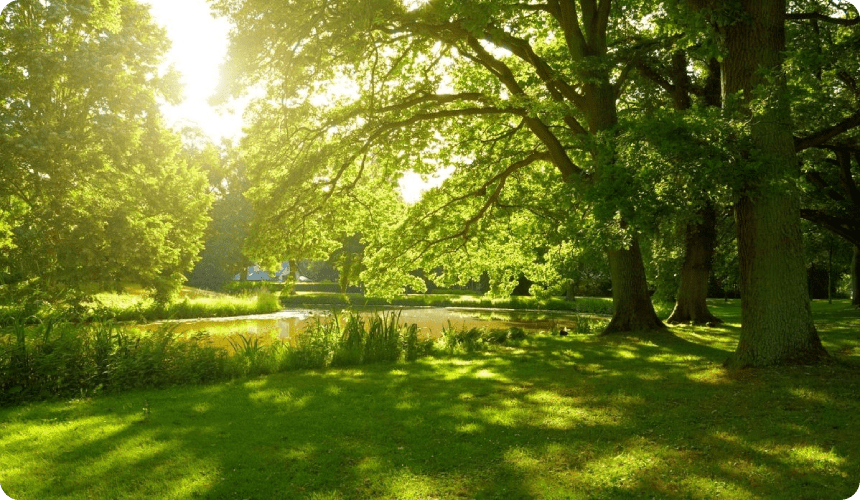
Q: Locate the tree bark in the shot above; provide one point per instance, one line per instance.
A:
(700, 240)
(632, 308)
(776, 320)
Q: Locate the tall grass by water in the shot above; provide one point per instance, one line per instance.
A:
(58, 358)
(194, 305)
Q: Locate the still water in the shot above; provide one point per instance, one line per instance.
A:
(289, 323)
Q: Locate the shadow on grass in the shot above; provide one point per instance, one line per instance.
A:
(577, 417)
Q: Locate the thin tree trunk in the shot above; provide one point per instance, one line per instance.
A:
(700, 240)
(294, 276)
(632, 308)
(855, 277)
(701, 237)
(776, 320)
(830, 273)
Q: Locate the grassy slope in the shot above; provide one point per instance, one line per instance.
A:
(576, 417)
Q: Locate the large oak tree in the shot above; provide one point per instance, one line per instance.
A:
(494, 90)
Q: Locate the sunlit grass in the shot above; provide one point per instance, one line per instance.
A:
(191, 303)
(580, 417)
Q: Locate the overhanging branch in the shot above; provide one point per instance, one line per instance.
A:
(822, 136)
(821, 17)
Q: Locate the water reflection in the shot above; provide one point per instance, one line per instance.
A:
(289, 323)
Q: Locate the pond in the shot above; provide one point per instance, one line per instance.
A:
(289, 323)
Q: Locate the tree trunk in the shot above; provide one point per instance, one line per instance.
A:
(631, 302)
(855, 277)
(691, 304)
(294, 276)
(776, 320)
(570, 291)
(632, 308)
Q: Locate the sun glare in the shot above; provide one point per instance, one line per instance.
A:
(414, 4)
(199, 43)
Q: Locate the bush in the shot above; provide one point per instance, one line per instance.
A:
(59, 358)
(455, 340)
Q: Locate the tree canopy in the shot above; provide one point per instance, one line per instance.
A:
(517, 103)
(94, 189)
(547, 120)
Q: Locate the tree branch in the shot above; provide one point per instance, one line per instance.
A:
(843, 156)
(845, 227)
(500, 178)
(821, 17)
(821, 137)
(566, 14)
(558, 88)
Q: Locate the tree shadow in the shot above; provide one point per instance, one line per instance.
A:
(576, 417)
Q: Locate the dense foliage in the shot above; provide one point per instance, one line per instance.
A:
(93, 188)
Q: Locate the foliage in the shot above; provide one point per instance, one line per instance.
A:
(246, 287)
(594, 305)
(131, 308)
(468, 340)
(94, 188)
(350, 341)
(223, 255)
(503, 103)
(829, 262)
(348, 260)
(61, 359)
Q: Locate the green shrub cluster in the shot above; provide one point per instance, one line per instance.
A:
(588, 325)
(146, 309)
(590, 305)
(58, 358)
(468, 340)
(203, 307)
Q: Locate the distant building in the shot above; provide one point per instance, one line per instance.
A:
(257, 273)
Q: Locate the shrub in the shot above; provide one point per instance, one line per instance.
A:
(455, 340)
(588, 325)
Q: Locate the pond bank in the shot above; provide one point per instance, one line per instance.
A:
(289, 323)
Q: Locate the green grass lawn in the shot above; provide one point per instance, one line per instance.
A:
(579, 417)
(191, 303)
